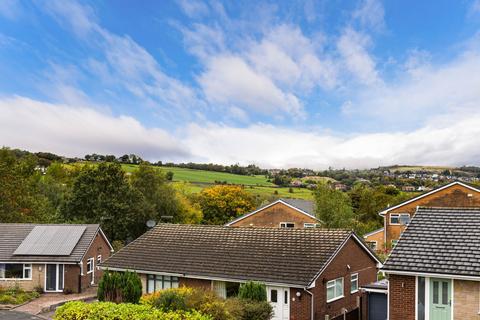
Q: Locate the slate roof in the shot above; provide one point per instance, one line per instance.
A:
(304, 205)
(271, 255)
(439, 240)
(13, 234)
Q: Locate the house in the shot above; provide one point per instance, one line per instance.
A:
(309, 273)
(374, 239)
(283, 213)
(54, 257)
(434, 270)
(454, 194)
(408, 188)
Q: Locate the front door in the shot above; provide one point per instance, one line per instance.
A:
(54, 277)
(279, 298)
(440, 299)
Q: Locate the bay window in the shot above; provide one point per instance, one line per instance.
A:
(157, 282)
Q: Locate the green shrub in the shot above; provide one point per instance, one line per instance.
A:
(257, 310)
(253, 291)
(171, 300)
(124, 311)
(119, 287)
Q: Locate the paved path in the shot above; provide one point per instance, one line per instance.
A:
(15, 315)
(50, 299)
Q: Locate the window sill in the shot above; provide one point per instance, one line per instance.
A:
(15, 279)
(88, 272)
(352, 292)
(335, 299)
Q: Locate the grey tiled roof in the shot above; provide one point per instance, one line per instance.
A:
(304, 205)
(12, 235)
(439, 240)
(290, 256)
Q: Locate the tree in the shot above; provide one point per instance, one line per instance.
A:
(20, 199)
(252, 290)
(333, 207)
(223, 203)
(102, 194)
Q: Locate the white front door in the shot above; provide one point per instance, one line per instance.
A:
(279, 298)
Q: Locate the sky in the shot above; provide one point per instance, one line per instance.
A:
(315, 84)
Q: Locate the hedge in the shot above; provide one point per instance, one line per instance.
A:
(125, 311)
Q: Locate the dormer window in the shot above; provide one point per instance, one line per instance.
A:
(287, 225)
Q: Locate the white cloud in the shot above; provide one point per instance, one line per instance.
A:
(125, 63)
(475, 7)
(371, 14)
(76, 131)
(193, 8)
(229, 80)
(352, 46)
(452, 143)
(448, 89)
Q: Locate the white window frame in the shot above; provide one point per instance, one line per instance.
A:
(284, 225)
(333, 283)
(309, 225)
(394, 244)
(99, 260)
(398, 215)
(352, 276)
(90, 261)
(23, 272)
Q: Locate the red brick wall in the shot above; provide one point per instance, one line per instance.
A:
(300, 308)
(401, 297)
(98, 247)
(273, 215)
(360, 262)
(72, 271)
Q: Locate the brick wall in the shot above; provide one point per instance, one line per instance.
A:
(454, 196)
(466, 300)
(273, 215)
(98, 247)
(401, 297)
(300, 308)
(359, 261)
(378, 237)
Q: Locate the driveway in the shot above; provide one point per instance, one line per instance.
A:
(15, 315)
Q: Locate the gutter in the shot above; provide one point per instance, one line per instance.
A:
(312, 313)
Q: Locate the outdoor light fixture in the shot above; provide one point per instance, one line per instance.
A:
(298, 294)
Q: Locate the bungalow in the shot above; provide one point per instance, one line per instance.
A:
(282, 213)
(434, 270)
(395, 218)
(309, 273)
(54, 257)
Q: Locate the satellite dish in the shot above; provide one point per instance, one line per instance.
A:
(151, 223)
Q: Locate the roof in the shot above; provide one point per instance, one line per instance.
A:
(51, 240)
(377, 286)
(382, 213)
(439, 241)
(305, 207)
(12, 235)
(371, 233)
(270, 255)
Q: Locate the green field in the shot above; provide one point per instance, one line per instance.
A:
(197, 180)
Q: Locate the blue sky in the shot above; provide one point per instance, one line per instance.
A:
(295, 83)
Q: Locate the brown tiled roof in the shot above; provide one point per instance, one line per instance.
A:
(271, 255)
(12, 235)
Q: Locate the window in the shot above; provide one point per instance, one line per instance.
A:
(285, 296)
(372, 245)
(90, 263)
(421, 298)
(354, 283)
(99, 260)
(287, 225)
(15, 271)
(400, 218)
(334, 289)
(394, 243)
(309, 225)
(157, 283)
(273, 295)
